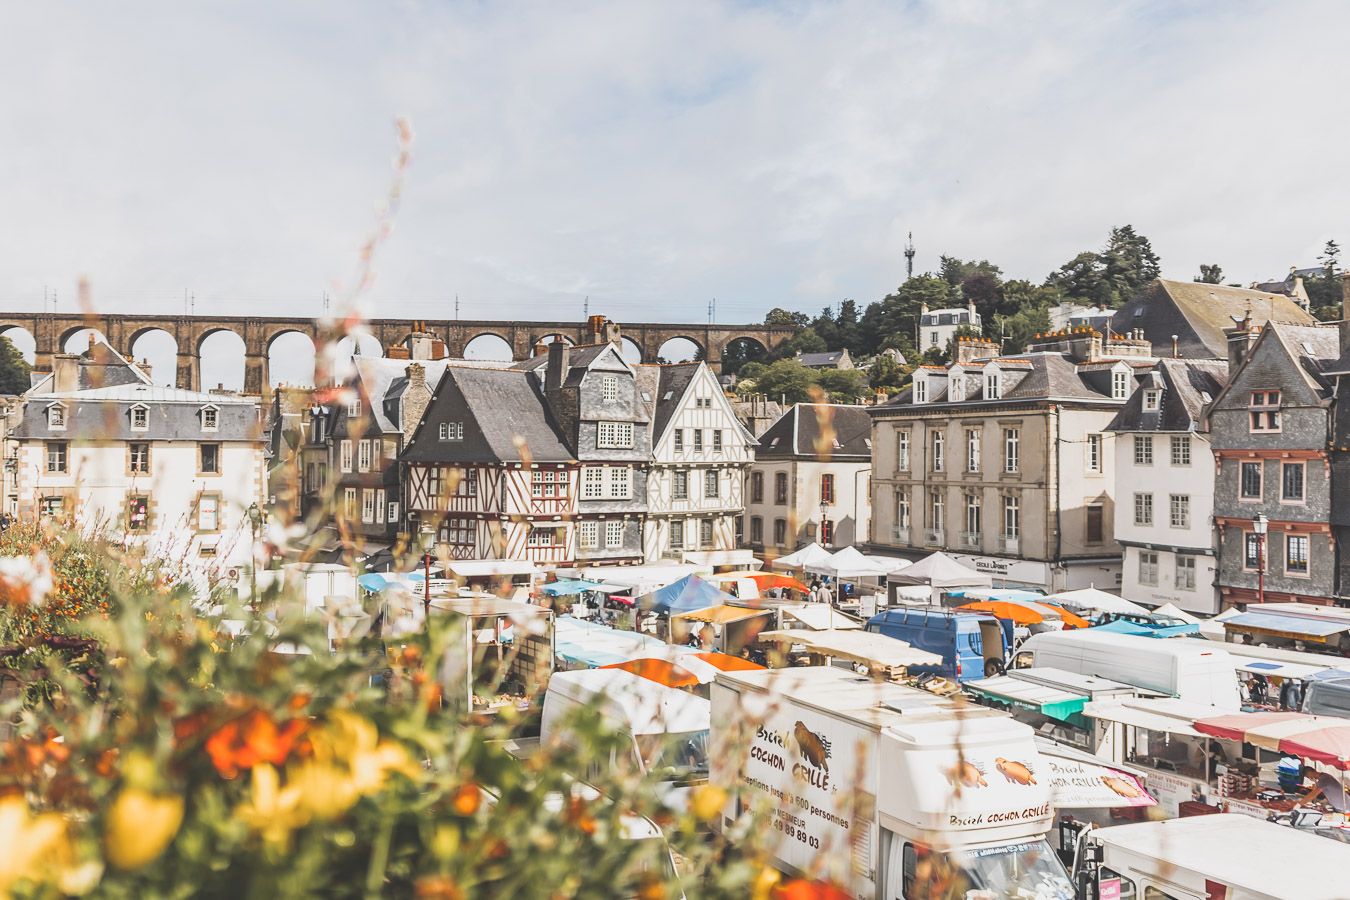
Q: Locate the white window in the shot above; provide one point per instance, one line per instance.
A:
(614, 435)
(1180, 506)
(354, 408)
(1143, 509)
(902, 451)
(1152, 400)
(1094, 453)
(210, 418)
(972, 451)
(679, 485)
(1012, 440)
(349, 502)
(920, 390)
(1148, 567)
(363, 456)
(698, 440)
(543, 537)
(973, 514)
(1012, 517)
(1185, 573)
(588, 533)
(379, 506)
(451, 431)
(1296, 554)
(679, 440)
(1181, 449)
(140, 418)
(993, 385)
(367, 505)
(676, 534)
(901, 509)
(547, 484)
(937, 508)
(208, 513)
(712, 484)
(592, 483)
(613, 534)
(56, 417)
(620, 482)
(717, 440)
(393, 511)
(345, 456)
(609, 388)
(705, 533)
(939, 448)
(1120, 384)
(1143, 449)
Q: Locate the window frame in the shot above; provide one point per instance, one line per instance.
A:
(214, 497)
(757, 529)
(144, 467)
(1259, 466)
(588, 534)
(1184, 563)
(52, 422)
(1148, 567)
(938, 447)
(973, 450)
(201, 458)
(210, 418)
(1179, 510)
(1012, 450)
(902, 451)
(1265, 402)
(1095, 535)
(1012, 517)
(614, 435)
(712, 484)
(1095, 446)
(62, 448)
(345, 456)
(1306, 539)
(141, 412)
(827, 488)
(756, 487)
(1285, 468)
(1143, 503)
(1179, 449)
(1143, 449)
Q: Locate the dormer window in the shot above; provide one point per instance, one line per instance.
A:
(1120, 384)
(993, 385)
(451, 431)
(1265, 411)
(956, 385)
(1152, 400)
(920, 391)
(210, 418)
(56, 417)
(140, 417)
(609, 389)
(354, 408)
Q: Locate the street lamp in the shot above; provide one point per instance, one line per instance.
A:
(825, 539)
(1262, 523)
(255, 516)
(426, 536)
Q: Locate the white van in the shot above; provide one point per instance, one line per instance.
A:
(1230, 856)
(1193, 671)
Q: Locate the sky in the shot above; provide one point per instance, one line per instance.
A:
(650, 156)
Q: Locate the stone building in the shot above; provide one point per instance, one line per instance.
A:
(809, 480)
(1005, 462)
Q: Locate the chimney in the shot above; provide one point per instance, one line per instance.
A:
(1240, 340)
(1176, 353)
(420, 345)
(1345, 313)
(540, 348)
(65, 372)
(416, 398)
(555, 373)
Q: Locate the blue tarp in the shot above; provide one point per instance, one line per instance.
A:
(567, 588)
(1261, 621)
(372, 581)
(1011, 595)
(686, 595)
(591, 657)
(1125, 626)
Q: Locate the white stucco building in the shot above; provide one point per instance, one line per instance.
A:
(96, 443)
(938, 326)
(700, 455)
(1165, 486)
(811, 480)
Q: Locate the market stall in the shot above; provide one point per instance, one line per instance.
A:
(940, 573)
(728, 628)
(883, 656)
(503, 652)
(1091, 601)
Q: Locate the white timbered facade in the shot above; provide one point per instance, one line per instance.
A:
(700, 454)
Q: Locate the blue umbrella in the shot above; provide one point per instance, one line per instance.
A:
(372, 581)
(566, 588)
(686, 595)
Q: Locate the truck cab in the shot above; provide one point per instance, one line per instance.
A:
(972, 645)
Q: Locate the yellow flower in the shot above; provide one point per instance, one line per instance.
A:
(140, 825)
(326, 790)
(764, 883)
(707, 802)
(272, 811)
(30, 844)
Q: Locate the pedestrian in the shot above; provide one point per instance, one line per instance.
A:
(826, 595)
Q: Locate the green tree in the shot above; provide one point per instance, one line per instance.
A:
(886, 374)
(825, 326)
(1079, 279)
(897, 319)
(1210, 274)
(780, 316)
(1114, 275)
(805, 341)
(784, 379)
(1331, 259)
(14, 368)
(843, 385)
(849, 327)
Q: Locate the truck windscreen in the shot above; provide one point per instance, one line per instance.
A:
(675, 757)
(1018, 870)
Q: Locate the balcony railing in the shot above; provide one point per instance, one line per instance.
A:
(1010, 543)
(934, 536)
(900, 534)
(970, 539)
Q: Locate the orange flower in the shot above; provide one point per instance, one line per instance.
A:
(807, 889)
(251, 739)
(467, 799)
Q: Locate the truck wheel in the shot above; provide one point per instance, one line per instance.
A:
(992, 667)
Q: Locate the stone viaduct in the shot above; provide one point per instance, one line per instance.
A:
(50, 332)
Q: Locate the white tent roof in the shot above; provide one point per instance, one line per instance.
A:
(819, 616)
(940, 571)
(488, 568)
(889, 563)
(743, 558)
(865, 647)
(811, 554)
(1094, 600)
(1176, 612)
(847, 563)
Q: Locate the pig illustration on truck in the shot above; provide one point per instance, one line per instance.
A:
(883, 789)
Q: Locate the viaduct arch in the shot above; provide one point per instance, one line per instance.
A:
(258, 332)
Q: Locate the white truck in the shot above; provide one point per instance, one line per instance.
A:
(884, 790)
(1191, 670)
(1218, 857)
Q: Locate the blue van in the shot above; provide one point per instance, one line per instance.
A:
(972, 645)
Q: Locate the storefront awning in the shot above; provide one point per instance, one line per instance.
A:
(1296, 627)
(490, 568)
(1063, 706)
(1146, 714)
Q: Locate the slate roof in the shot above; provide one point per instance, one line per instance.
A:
(1316, 347)
(1049, 376)
(1199, 314)
(674, 381)
(172, 415)
(800, 433)
(1184, 384)
(814, 360)
(383, 380)
(505, 405)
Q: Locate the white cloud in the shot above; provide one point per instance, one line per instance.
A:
(651, 155)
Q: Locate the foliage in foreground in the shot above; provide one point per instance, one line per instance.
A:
(186, 763)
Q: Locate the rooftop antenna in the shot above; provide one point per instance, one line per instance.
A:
(326, 304)
(909, 256)
(586, 307)
(712, 310)
(192, 303)
(457, 307)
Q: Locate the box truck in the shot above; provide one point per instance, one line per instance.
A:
(1218, 857)
(1190, 670)
(882, 789)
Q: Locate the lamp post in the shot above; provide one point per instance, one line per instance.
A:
(825, 540)
(426, 536)
(255, 522)
(1262, 523)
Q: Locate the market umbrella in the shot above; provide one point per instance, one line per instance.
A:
(687, 594)
(848, 563)
(667, 672)
(767, 580)
(810, 554)
(1070, 620)
(1093, 600)
(725, 662)
(1326, 742)
(1006, 609)
(570, 587)
(372, 581)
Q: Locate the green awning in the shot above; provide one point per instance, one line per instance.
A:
(1063, 706)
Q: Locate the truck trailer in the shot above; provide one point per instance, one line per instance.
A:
(884, 790)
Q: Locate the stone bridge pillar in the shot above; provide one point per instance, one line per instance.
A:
(520, 343)
(188, 372)
(46, 342)
(255, 358)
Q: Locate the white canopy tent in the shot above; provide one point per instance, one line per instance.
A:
(847, 563)
(811, 554)
(870, 649)
(818, 617)
(1092, 600)
(939, 571)
(491, 568)
(1176, 612)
